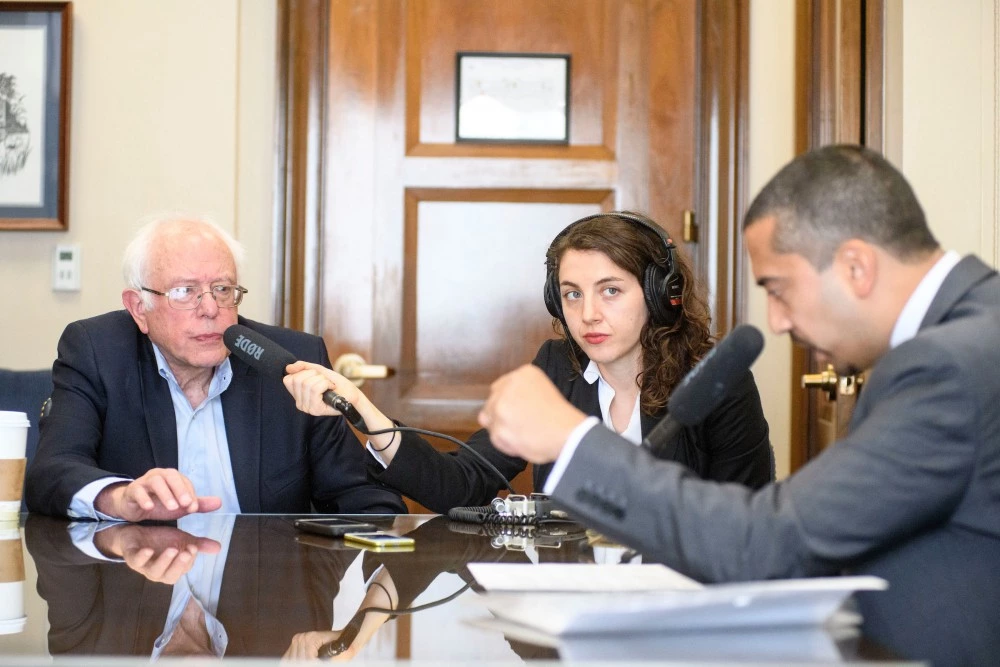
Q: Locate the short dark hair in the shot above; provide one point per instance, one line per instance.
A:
(831, 194)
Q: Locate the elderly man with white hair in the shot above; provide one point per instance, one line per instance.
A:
(151, 417)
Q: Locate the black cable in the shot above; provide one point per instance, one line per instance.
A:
(350, 631)
(420, 607)
(382, 449)
(435, 434)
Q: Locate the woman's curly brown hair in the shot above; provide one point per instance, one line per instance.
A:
(668, 352)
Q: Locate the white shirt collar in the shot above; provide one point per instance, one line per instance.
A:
(920, 301)
(605, 394)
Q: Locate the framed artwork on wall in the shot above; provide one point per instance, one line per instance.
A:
(512, 98)
(35, 43)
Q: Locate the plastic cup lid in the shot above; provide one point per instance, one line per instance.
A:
(13, 419)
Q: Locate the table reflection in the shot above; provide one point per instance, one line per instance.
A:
(252, 586)
(244, 585)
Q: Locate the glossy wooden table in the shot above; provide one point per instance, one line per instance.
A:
(282, 590)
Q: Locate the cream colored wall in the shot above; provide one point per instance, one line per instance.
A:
(172, 109)
(772, 144)
(949, 118)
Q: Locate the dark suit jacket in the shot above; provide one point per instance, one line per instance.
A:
(730, 445)
(112, 415)
(272, 588)
(922, 456)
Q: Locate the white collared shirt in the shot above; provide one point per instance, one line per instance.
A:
(920, 301)
(605, 394)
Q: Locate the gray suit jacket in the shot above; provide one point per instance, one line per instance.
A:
(922, 457)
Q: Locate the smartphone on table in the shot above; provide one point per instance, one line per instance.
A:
(333, 527)
(377, 540)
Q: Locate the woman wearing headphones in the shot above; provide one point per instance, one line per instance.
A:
(633, 323)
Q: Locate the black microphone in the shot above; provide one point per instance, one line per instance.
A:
(262, 353)
(704, 387)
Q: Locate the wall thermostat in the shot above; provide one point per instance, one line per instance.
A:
(66, 268)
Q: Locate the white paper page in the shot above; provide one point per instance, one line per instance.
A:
(753, 604)
(579, 577)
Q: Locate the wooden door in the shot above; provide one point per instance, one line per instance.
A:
(427, 255)
(840, 65)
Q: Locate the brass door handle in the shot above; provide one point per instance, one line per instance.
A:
(830, 382)
(826, 381)
(354, 367)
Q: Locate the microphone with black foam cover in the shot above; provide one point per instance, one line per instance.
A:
(270, 359)
(705, 386)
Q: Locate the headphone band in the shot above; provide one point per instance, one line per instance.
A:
(668, 243)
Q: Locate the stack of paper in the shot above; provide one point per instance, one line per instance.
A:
(798, 644)
(577, 599)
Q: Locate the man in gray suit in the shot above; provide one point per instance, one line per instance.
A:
(840, 243)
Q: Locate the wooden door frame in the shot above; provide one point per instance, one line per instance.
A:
(839, 98)
(723, 82)
(300, 127)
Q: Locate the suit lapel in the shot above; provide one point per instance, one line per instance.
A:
(158, 407)
(241, 407)
(966, 274)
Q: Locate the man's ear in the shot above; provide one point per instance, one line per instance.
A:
(136, 307)
(857, 264)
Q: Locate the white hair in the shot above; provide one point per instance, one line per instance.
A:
(136, 258)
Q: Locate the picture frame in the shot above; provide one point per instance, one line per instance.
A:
(512, 98)
(35, 50)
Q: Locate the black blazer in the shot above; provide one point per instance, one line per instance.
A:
(731, 445)
(112, 415)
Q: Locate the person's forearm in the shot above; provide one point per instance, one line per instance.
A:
(387, 444)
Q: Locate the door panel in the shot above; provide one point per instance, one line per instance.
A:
(478, 257)
(437, 30)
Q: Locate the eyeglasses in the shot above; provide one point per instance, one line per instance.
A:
(187, 297)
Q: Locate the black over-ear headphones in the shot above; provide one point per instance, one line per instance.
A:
(662, 284)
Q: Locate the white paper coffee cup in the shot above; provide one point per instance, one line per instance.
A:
(13, 441)
(12, 618)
